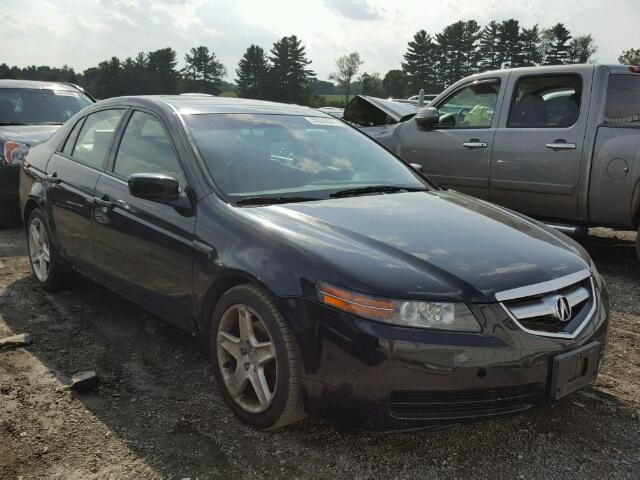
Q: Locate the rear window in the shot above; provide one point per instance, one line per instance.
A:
(623, 100)
(32, 106)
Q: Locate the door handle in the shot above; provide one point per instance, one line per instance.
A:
(474, 143)
(102, 202)
(561, 145)
(53, 178)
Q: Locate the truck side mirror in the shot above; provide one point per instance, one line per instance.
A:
(427, 117)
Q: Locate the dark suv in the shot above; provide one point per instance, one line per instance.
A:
(30, 112)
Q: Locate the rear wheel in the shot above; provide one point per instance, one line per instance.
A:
(256, 359)
(51, 270)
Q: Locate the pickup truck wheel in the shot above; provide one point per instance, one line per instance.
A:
(256, 359)
(52, 271)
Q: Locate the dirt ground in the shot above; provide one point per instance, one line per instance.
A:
(157, 412)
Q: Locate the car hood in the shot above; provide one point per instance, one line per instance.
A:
(432, 245)
(28, 134)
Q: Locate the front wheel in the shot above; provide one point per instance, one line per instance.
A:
(256, 359)
(51, 271)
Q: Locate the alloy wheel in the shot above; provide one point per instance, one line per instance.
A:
(39, 252)
(247, 358)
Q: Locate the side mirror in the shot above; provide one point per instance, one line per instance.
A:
(427, 117)
(417, 166)
(155, 187)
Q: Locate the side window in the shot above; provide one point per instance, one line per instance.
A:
(146, 148)
(549, 101)
(94, 139)
(623, 100)
(472, 106)
(71, 139)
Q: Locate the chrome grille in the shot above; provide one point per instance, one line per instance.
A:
(560, 308)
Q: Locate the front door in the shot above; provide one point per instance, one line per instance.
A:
(457, 151)
(72, 175)
(538, 145)
(144, 248)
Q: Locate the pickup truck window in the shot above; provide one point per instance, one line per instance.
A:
(472, 106)
(546, 101)
(623, 100)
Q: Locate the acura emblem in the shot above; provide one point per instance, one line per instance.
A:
(563, 309)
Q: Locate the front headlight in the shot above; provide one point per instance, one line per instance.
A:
(407, 313)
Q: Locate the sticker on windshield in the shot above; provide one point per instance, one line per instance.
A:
(324, 121)
(66, 93)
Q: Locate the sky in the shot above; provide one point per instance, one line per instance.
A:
(83, 33)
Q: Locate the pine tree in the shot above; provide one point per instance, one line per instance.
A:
(556, 45)
(510, 51)
(489, 47)
(371, 84)
(394, 84)
(420, 63)
(204, 70)
(530, 47)
(289, 77)
(252, 73)
(161, 70)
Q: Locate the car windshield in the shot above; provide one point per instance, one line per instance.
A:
(286, 155)
(31, 106)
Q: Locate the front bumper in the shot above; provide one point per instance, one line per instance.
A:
(374, 376)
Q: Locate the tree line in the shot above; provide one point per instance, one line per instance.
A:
(283, 73)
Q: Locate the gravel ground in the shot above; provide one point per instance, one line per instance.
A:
(157, 412)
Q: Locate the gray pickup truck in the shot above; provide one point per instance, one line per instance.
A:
(558, 143)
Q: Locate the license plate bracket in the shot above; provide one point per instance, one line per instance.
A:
(575, 369)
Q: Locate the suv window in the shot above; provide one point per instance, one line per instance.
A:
(472, 106)
(546, 101)
(95, 137)
(623, 100)
(146, 148)
(31, 106)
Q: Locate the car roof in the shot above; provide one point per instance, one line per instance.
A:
(33, 84)
(194, 104)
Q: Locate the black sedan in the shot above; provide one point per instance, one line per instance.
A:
(29, 113)
(325, 274)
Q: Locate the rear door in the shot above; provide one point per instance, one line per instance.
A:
(457, 151)
(535, 166)
(143, 248)
(72, 175)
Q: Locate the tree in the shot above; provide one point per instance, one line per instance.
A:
(458, 51)
(371, 84)
(581, 49)
(630, 57)
(395, 84)
(489, 47)
(420, 63)
(510, 51)
(347, 68)
(555, 44)
(252, 73)
(161, 70)
(530, 47)
(289, 77)
(204, 70)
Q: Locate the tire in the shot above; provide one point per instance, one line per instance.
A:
(244, 361)
(51, 271)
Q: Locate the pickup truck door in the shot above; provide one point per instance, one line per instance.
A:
(537, 150)
(457, 151)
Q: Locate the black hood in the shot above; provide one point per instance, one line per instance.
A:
(28, 134)
(437, 245)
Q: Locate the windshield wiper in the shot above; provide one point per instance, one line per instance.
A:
(352, 192)
(273, 200)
